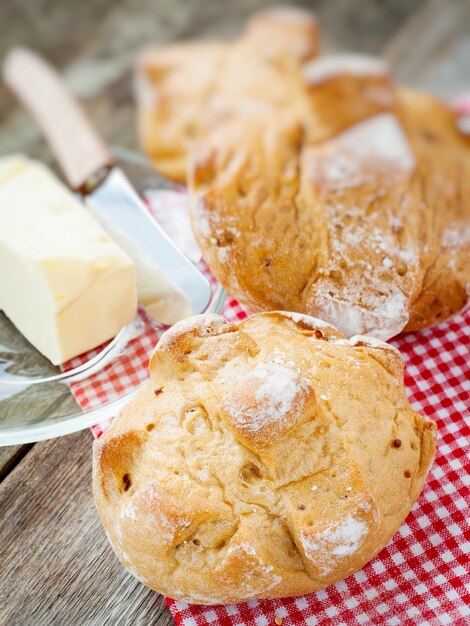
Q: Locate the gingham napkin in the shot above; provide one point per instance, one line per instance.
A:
(422, 577)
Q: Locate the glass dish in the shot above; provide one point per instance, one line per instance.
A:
(40, 401)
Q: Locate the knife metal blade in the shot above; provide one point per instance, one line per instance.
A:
(124, 216)
(90, 170)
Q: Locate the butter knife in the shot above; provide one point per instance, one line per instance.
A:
(90, 170)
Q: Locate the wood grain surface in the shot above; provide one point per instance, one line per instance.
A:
(56, 567)
(10, 456)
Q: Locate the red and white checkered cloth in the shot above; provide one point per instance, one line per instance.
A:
(422, 577)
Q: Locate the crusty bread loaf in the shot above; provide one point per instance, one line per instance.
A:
(316, 185)
(263, 459)
(369, 230)
(185, 90)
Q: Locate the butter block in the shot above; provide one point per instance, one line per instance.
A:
(64, 283)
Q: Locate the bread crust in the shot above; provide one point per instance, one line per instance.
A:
(182, 94)
(264, 459)
(297, 203)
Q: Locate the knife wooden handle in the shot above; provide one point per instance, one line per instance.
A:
(75, 143)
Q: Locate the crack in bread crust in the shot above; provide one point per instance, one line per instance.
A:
(203, 507)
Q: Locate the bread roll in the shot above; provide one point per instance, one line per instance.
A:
(360, 215)
(183, 90)
(317, 185)
(268, 458)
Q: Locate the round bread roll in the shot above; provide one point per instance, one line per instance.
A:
(359, 215)
(368, 230)
(267, 458)
(316, 184)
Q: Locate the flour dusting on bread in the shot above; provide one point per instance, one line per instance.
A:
(386, 319)
(261, 578)
(326, 68)
(279, 387)
(130, 512)
(456, 235)
(373, 342)
(335, 542)
(307, 320)
(269, 394)
(202, 217)
(204, 324)
(373, 149)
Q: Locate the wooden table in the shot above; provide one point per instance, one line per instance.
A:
(56, 565)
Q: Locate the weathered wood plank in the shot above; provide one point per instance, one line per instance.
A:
(432, 50)
(57, 565)
(10, 456)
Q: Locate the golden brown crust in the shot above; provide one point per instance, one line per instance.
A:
(336, 230)
(297, 203)
(185, 90)
(443, 172)
(264, 459)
